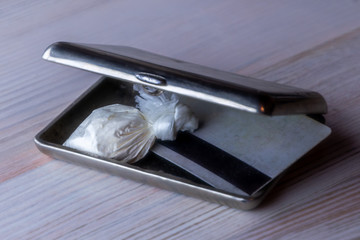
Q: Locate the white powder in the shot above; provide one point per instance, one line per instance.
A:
(127, 134)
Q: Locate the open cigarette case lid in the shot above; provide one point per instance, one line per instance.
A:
(251, 130)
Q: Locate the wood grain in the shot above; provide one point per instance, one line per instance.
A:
(310, 44)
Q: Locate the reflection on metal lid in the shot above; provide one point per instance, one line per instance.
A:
(191, 80)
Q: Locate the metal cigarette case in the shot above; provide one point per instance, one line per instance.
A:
(250, 131)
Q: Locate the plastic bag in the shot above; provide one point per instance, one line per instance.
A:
(127, 134)
(165, 113)
(114, 131)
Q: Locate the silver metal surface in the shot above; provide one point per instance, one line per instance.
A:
(195, 81)
(236, 156)
(108, 91)
(150, 78)
(159, 179)
(210, 187)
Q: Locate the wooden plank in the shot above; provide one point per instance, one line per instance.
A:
(245, 35)
(317, 199)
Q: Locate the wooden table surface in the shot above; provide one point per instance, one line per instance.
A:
(309, 44)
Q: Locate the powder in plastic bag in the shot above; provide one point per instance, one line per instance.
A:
(114, 131)
(127, 134)
(165, 113)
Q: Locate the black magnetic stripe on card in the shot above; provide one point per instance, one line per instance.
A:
(221, 163)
